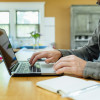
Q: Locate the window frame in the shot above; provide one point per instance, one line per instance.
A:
(26, 24)
(9, 21)
(12, 7)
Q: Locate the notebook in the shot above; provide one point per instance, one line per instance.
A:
(65, 85)
(89, 95)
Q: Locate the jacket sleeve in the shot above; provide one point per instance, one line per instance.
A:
(89, 52)
(92, 70)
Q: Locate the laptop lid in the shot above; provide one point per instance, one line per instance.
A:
(7, 51)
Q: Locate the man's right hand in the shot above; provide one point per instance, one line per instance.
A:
(51, 56)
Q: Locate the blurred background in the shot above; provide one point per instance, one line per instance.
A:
(62, 24)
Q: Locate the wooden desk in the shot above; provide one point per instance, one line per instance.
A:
(23, 88)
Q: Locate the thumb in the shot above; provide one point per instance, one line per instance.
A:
(49, 60)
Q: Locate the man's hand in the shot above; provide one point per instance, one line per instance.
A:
(70, 65)
(52, 56)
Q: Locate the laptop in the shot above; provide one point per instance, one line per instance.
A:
(22, 68)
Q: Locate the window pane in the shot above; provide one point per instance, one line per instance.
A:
(24, 30)
(27, 17)
(4, 17)
(5, 27)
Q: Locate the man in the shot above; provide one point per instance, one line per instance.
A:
(78, 62)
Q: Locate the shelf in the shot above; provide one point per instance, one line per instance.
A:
(81, 40)
(84, 34)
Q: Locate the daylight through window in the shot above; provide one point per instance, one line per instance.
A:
(26, 22)
(4, 21)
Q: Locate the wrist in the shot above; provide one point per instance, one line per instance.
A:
(60, 53)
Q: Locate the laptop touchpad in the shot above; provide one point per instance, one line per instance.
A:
(46, 68)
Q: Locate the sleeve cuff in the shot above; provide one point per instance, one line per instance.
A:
(64, 52)
(92, 70)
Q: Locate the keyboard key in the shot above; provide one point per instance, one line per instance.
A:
(26, 68)
(38, 70)
(34, 69)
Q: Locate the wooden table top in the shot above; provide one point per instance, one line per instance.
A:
(24, 88)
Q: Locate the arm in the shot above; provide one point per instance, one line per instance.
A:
(92, 70)
(89, 53)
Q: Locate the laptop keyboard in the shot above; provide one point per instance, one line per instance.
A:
(26, 68)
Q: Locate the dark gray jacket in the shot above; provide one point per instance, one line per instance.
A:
(89, 52)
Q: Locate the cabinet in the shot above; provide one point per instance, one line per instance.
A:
(84, 20)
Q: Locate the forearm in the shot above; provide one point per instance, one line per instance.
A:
(90, 51)
(85, 53)
(79, 52)
(92, 70)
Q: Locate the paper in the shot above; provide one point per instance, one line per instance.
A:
(65, 83)
(24, 54)
(89, 95)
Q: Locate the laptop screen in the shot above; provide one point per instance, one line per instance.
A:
(6, 50)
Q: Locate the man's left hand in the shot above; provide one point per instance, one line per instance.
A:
(70, 65)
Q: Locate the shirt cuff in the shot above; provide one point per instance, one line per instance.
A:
(64, 52)
(92, 70)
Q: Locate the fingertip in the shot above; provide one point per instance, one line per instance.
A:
(32, 65)
(57, 72)
(46, 61)
(30, 62)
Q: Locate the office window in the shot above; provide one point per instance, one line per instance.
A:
(26, 22)
(4, 21)
(22, 18)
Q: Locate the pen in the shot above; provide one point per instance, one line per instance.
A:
(78, 92)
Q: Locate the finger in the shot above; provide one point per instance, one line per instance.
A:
(63, 60)
(50, 60)
(64, 70)
(41, 55)
(32, 57)
(62, 64)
